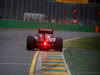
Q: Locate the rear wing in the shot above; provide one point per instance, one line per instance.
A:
(45, 30)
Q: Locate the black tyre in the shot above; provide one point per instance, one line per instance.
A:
(59, 44)
(30, 43)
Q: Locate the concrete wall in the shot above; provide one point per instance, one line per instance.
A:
(35, 25)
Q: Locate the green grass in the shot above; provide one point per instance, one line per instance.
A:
(87, 42)
(82, 54)
(82, 61)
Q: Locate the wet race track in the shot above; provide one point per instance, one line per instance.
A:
(14, 58)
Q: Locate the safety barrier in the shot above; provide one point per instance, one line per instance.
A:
(34, 25)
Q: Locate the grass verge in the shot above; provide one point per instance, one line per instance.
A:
(82, 54)
(86, 42)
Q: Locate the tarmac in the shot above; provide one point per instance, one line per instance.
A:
(14, 58)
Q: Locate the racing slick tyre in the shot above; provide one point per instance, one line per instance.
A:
(30, 42)
(59, 44)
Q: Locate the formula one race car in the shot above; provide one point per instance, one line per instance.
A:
(44, 40)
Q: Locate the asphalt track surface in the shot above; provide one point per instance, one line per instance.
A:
(14, 58)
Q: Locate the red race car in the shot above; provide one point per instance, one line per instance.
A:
(44, 40)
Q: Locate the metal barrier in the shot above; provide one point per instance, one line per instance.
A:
(55, 12)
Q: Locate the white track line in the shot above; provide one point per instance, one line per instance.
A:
(15, 63)
(66, 65)
(72, 39)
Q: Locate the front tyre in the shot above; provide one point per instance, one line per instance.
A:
(30, 43)
(59, 44)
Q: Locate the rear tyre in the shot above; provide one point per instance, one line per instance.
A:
(59, 44)
(30, 44)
